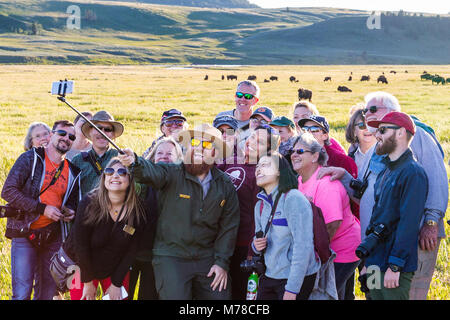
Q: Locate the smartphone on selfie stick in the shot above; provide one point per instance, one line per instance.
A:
(61, 88)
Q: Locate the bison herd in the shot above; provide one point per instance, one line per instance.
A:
(306, 94)
(434, 78)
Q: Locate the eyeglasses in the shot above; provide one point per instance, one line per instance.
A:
(63, 133)
(173, 123)
(110, 171)
(300, 151)
(205, 144)
(372, 109)
(38, 136)
(382, 130)
(312, 129)
(247, 96)
(361, 125)
(105, 129)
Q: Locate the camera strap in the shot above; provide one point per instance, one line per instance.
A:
(87, 156)
(55, 177)
(272, 214)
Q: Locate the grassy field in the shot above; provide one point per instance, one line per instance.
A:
(137, 95)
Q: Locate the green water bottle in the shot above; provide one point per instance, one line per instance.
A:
(252, 286)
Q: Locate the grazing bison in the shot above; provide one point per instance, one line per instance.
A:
(273, 78)
(447, 80)
(265, 80)
(343, 89)
(223, 77)
(327, 79)
(394, 72)
(425, 76)
(365, 78)
(437, 79)
(382, 79)
(304, 94)
(206, 77)
(251, 77)
(293, 79)
(231, 77)
(350, 78)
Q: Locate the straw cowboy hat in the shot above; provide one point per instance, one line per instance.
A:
(206, 132)
(106, 117)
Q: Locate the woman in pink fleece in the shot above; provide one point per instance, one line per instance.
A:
(344, 229)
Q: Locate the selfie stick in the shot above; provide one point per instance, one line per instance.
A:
(61, 96)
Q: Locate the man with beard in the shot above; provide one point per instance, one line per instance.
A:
(400, 193)
(427, 152)
(93, 161)
(45, 187)
(198, 217)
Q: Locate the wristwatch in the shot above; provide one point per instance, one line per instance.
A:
(431, 223)
(394, 268)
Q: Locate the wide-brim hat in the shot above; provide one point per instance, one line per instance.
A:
(206, 131)
(103, 116)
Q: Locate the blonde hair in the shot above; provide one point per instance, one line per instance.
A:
(306, 104)
(27, 143)
(179, 152)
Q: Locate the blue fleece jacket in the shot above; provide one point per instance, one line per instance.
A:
(290, 246)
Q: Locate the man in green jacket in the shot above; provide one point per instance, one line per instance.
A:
(198, 217)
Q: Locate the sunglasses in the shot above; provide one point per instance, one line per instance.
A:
(300, 151)
(261, 121)
(205, 144)
(173, 123)
(382, 130)
(312, 129)
(63, 133)
(361, 125)
(372, 109)
(106, 129)
(110, 171)
(247, 96)
(229, 131)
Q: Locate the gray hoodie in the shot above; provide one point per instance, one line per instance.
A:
(290, 245)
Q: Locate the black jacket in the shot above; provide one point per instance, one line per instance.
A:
(22, 186)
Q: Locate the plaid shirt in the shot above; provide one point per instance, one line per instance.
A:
(89, 176)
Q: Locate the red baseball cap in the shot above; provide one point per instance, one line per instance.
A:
(398, 118)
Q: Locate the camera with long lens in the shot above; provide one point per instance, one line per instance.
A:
(10, 212)
(256, 264)
(359, 187)
(375, 235)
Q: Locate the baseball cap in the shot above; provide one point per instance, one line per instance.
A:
(172, 113)
(228, 120)
(398, 118)
(265, 112)
(321, 121)
(282, 122)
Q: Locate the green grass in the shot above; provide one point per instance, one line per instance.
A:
(137, 95)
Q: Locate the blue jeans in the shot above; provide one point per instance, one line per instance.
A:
(343, 271)
(29, 264)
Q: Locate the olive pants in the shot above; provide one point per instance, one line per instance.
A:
(399, 293)
(186, 279)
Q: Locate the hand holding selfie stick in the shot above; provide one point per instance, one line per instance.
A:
(61, 92)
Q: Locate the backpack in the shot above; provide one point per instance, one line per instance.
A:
(321, 237)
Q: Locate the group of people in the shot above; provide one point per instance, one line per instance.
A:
(182, 217)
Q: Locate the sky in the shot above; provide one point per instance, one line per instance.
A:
(429, 6)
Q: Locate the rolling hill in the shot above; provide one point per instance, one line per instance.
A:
(114, 32)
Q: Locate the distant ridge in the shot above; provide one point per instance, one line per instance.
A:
(201, 3)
